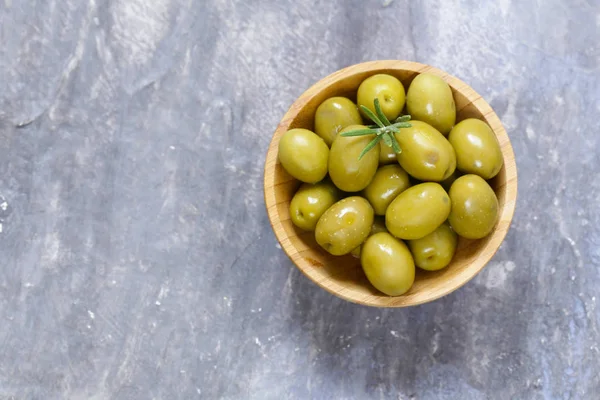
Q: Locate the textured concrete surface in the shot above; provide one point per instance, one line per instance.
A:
(136, 258)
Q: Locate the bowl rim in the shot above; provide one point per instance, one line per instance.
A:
(380, 66)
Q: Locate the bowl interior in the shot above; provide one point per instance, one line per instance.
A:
(343, 276)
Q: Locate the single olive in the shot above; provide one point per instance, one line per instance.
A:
(474, 207)
(388, 89)
(417, 211)
(389, 181)
(477, 148)
(310, 202)
(345, 169)
(345, 225)
(333, 115)
(430, 99)
(434, 251)
(388, 264)
(378, 226)
(304, 155)
(426, 154)
(387, 155)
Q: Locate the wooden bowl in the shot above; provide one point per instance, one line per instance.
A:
(343, 276)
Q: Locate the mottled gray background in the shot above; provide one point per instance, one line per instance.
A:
(136, 257)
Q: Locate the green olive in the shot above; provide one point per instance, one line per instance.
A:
(389, 181)
(388, 89)
(430, 99)
(388, 264)
(345, 225)
(434, 251)
(304, 155)
(333, 115)
(387, 155)
(345, 169)
(378, 226)
(310, 202)
(474, 207)
(477, 148)
(417, 211)
(426, 154)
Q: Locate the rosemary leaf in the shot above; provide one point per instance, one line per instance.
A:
(359, 132)
(368, 147)
(372, 116)
(380, 113)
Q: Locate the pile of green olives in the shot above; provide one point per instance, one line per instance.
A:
(396, 211)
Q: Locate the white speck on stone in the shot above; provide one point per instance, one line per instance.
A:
(164, 291)
(386, 3)
(554, 156)
(28, 284)
(297, 349)
(530, 132)
(259, 309)
(231, 167)
(182, 371)
(172, 147)
(535, 218)
(1, 228)
(593, 298)
(559, 99)
(91, 314)
(89, 327)
(395, 334)
(258, 342)
(278, 246)
(96, 21)
(158, 303)
(227, 301)
(377, 318)
(553, 270)
(4, 205)
(198, 390)
(572, 277)
(496, 275)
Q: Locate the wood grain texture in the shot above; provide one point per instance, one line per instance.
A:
(342, 276)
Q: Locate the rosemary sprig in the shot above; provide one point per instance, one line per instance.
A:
(383, 129)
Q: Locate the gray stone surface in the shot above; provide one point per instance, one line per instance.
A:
(136, 257)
